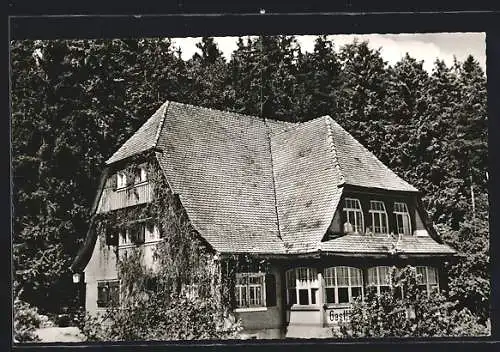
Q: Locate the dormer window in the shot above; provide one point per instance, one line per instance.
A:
(354, 215)
(379, 217)
(403, 223)
(121, 180)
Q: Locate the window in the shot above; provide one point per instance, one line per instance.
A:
(108, 294)
(427, 278)
(136, 233)
(121, 180)
(249, 290)
(379, 217)
(112, 237)
(354, 214)
(151, 232)
(140, 175)
(191, 291)
(403, 223)
(302, 286)
(379, 278)
(124, 237)
(343, 284)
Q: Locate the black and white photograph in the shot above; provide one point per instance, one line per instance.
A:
(329, 186)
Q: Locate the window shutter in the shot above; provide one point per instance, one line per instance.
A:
(270, 290)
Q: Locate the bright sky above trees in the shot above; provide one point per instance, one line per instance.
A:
(421, 46)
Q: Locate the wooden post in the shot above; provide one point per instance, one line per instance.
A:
(321, 297)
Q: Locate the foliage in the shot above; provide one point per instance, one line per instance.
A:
(176, 296)
(412, 314)
(26, 321)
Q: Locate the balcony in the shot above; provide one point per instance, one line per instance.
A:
(125, 197)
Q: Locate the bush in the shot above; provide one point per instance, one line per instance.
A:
(160, 319)
(26, 321)
(415, 314)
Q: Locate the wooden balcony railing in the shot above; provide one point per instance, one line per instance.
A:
(125, 197)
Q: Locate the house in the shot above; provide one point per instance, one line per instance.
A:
(327, 214)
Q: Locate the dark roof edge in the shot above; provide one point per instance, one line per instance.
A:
(322, 253)
(268, 135)
(85, 253)
(356, 188)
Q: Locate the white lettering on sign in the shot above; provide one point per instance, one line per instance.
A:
(337, 315)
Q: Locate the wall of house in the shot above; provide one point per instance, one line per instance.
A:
(102, 266)
(266, 322)
(420, 229)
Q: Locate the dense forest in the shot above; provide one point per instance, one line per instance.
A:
(74, 102)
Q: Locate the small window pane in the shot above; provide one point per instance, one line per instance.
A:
(329, 277)
(292, 295)
(421, 275)
(384, 276)
(302, 274)
(356, 277)
(356, 292)
(342, 276)
(314, 295)
(343, 294)
(372, 276)
(432, 275)
(330, 295)
(303, 297)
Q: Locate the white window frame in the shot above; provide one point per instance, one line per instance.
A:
(141, 175)
(302, 278)
(331, 277)
(402, 213)
(380, 213)
(124, 237)
(153, 235)
(239, 288)
(121, 180)
(351, 211)
(423, 276)
(381, 279)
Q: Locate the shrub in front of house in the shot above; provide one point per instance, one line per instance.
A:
(408, 311)
(26, 321)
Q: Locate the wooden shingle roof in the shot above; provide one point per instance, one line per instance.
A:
(256, 185)
(306, 179)
(144, 139)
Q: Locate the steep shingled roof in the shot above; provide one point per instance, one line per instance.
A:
(360, 167)
(307, 179)
(220, 165)
(144, 139)
(256, 185)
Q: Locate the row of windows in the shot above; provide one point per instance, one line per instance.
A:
(138, 233)
(344, 284)
(139, 177)
(355, 221)
(255, 290)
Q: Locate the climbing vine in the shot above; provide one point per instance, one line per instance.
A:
(186, 278)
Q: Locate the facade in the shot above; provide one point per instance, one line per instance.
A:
(323, 210)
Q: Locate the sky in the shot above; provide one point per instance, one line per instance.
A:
(421, 46)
